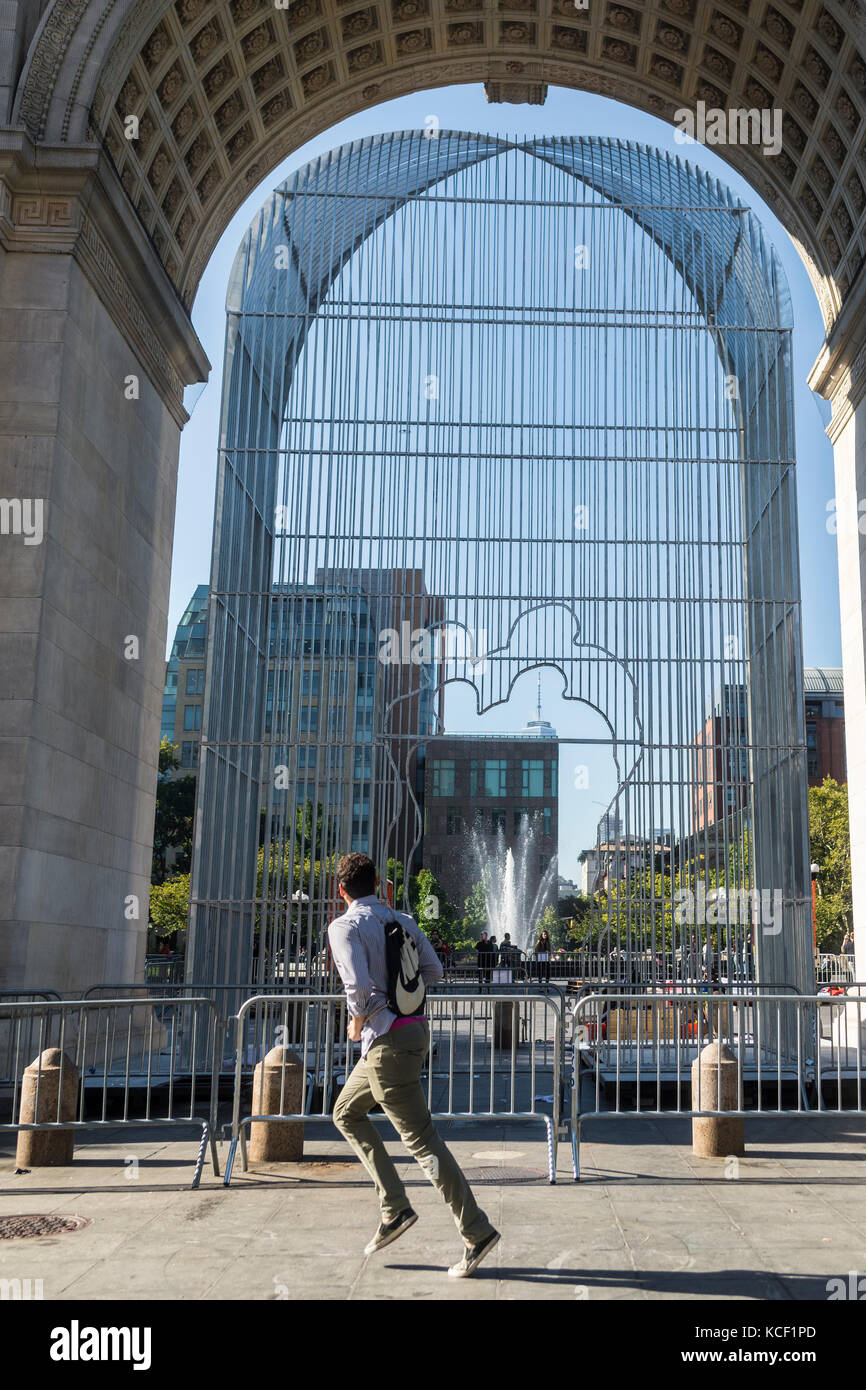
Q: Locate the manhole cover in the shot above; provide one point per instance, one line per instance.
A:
(30, 1225)
(504, 1175)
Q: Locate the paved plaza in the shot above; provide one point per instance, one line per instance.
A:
(648, 1221)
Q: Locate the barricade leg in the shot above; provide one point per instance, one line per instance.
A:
(575, 1149)
(230, 1161)
(551, 1149)
(202, 1150)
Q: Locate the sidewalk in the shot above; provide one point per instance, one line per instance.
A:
(647, 1221)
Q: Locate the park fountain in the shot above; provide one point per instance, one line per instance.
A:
(512, 905)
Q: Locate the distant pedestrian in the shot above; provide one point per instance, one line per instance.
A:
(542, 958)
(508, 952)
(486, 956)
(386, 962)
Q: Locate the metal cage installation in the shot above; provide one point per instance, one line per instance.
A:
(491, 406)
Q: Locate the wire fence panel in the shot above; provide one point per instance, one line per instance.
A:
(446, 462)
(491, 1057)
(111, 1064)
(793, 1054)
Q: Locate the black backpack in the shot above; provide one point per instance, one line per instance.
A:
(406, 992)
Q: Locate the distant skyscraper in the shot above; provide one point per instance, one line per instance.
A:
(183, 694)
(609, 829)
(825, 724)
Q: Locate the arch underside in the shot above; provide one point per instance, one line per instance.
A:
(226, 88)
(299, 249)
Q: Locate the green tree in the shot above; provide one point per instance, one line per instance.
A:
(475, 911)
(169, 905)
(549, 922)
(173, 821)
(830, 847)
(431, 908)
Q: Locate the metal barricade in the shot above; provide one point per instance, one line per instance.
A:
(137, 1056)
(629, 1042)
(834, 969)
(226, 998)
(478, 1067)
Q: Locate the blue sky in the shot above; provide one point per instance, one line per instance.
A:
(564, 113)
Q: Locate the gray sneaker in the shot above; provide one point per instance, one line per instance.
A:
(390, 1231)
(473, 1255)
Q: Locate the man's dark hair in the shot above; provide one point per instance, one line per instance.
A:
(357, 874)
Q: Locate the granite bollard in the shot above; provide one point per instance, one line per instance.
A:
(46, 1098)
(714, 1087)
(277, 1090)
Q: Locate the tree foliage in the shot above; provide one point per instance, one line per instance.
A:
(173, 820)
(169, 905)
(830, 847)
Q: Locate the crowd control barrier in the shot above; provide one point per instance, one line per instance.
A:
(137, 1062)
(490, 1058)
(795, 1054)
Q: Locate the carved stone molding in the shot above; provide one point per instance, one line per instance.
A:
(839, 374)
(224, 88)
(134, 322)
(51, 48)
(88, 219)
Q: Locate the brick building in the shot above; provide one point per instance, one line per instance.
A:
(495, 785)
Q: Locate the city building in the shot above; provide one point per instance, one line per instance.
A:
(614, 859)
(339, 718)
(183, 694)
(610, 829)
(825, 724)
(720, 779)
(720, 760)
(499, 789)
(350, 699)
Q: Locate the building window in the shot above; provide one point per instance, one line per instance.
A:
(488, 778)
(307, 756)
(497, 821)
(533, 777)
(309, 719)
(520, 816)
(554, 778)
(453, 821)
(195, 680)
(548, 820)
(443, 776)
(192, 716)
(189, 754)
(436, 864)
(543, 863)
(363, 764)
(310, 682)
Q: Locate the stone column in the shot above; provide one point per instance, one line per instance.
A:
(95, 348)
(840, 375)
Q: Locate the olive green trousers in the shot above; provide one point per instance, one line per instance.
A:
(390, 1075)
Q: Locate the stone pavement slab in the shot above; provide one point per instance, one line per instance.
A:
(648, 1221)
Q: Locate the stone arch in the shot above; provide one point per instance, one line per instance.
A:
(109, 242)
(224, 89)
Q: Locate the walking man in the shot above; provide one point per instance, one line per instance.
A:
(393, 1049)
